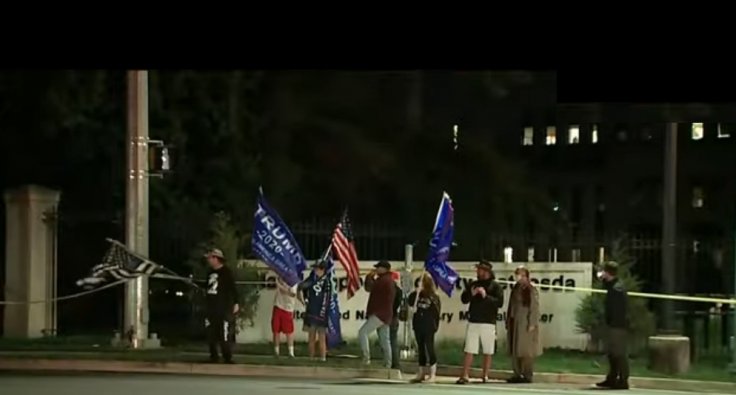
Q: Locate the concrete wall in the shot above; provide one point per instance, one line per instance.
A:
(30, 259)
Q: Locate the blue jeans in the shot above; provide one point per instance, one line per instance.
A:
(373, 324)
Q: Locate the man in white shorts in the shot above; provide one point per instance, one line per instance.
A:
(484, 297)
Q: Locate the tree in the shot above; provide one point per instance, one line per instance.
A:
(590, 315)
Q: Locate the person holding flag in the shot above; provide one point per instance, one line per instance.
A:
(317, 297)
(222, 307)
(426, 321)
(282, 316)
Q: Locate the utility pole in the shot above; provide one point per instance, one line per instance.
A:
(136, 210)
(733, 310)
(669, 225)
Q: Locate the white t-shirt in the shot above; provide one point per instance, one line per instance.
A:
(283, 300)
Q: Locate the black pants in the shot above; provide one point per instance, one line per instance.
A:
(221, 332)
(618, 356)
(425, 347)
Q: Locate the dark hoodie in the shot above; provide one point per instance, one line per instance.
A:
(483, 310)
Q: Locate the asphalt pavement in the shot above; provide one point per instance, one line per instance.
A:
(118, 384)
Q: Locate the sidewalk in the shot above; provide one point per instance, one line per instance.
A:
(266, 367)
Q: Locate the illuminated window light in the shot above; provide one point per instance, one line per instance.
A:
(723, 134)
(528, 136)
(594, 135)
(697, 131)
(573, 135)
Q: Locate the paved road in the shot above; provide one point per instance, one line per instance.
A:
(12, 384)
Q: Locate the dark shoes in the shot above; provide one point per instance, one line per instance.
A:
(621, 385)
(518, 380)
(614, 385)
(605, 384)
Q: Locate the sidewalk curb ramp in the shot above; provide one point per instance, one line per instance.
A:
(331, 373)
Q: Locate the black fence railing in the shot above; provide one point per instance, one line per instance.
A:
(710, 330)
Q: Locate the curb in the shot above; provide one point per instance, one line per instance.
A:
(590, 379)
(331, 373)
(101, 366)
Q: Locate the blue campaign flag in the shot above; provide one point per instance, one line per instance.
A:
(273, 242)
(439, 248)
(334, 332)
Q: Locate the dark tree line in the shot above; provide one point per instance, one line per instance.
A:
(378, 142)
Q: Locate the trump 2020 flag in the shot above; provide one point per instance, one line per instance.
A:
(439, 248)
(273, 242)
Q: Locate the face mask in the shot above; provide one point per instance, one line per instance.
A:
(600, 275)
(517, 278)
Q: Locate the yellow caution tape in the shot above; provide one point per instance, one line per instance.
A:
(683, 298)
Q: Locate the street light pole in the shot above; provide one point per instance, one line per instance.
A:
(136, 211)
(733, 310)
(669, 225)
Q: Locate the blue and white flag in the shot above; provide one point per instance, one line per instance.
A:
(273, 242)
(439, 247)
(334, 332)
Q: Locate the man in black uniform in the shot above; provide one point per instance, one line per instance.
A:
(222, 306)
(616, 310)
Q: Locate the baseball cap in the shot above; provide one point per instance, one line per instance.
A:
(383, 264)
(484, 265)
(215, 252)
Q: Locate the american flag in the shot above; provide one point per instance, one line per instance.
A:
(343, 246)
(118, 264)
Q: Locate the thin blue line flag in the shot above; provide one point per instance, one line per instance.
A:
(439, 247)
(274, 243)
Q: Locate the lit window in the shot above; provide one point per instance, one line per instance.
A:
(551, 135)
(528, 136)
(698, 197)
(697, 131)
(573, 137)
(594, 135)
(723, 132)
(508, 255)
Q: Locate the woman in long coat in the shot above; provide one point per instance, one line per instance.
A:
(522, 327)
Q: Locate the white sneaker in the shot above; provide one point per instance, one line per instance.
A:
(432, 374)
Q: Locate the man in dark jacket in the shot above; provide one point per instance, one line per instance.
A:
(222, 306)
(484, 297)
(616, 311)
(380, 311)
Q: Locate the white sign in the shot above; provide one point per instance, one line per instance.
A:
(557, 306)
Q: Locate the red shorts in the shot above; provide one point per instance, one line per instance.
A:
(282, 321)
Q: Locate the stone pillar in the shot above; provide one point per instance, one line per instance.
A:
(30, 261)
